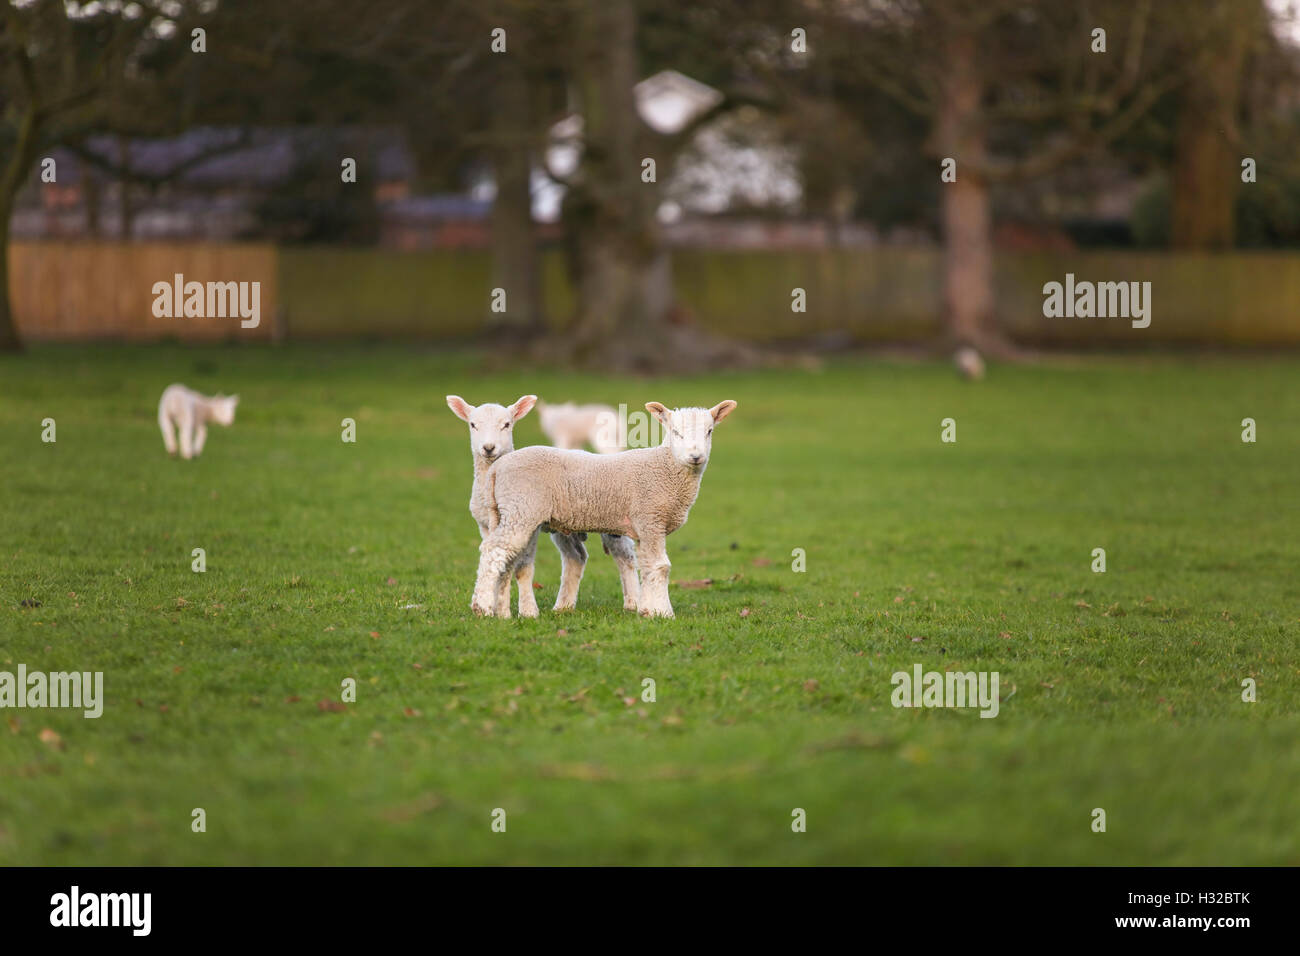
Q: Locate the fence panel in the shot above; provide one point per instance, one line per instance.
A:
(67, 291)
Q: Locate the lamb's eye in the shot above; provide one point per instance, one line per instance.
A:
(507, 426)
(473, 426)
(710, 431)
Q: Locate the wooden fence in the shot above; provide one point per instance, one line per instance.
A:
(65, 291)
(75, 290)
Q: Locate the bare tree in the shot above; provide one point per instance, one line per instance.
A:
(1012, 90)
(619, 265)
(1207, 145)
(67, 70)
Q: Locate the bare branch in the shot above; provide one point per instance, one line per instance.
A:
(125, 172)
(1083, 142)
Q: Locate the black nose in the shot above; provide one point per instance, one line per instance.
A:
(696, 459)
(489, 449)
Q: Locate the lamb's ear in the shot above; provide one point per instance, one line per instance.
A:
(522, 407)
(722, 410)
(462, 409)
(658, 411)
(234, 400)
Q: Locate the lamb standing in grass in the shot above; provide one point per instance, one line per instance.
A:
(645, 494)
(190, 413)
(491, 436)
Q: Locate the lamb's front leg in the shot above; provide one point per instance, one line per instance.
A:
(623, 551)
(501, 602)
(498, 554)
(200, 438)
(652, 555)
(524, 580)
(169, 437)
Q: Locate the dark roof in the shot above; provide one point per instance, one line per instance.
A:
(256, 158)
(441, 208)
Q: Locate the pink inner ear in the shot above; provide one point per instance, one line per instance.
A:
(522, 407)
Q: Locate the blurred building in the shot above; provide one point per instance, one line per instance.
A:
(208, 183)
(734, 184)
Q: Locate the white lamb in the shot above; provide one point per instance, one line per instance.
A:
(491, 436)
(645, 494)
(969, 363)
(572, 426)
(191, 412)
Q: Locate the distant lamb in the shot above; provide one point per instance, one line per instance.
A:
(645, 494)
(190, 413)
(572, 426)
(491, 436)
(969, 363)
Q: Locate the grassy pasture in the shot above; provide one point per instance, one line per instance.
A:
(1120, 690)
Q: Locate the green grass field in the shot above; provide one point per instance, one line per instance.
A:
(1120, 691)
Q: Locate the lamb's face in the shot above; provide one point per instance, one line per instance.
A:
(491, 426)
(689, 431)
(491, 431)
(223, 409)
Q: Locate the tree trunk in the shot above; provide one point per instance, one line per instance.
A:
(9, 340)
(967, 217)
(1207, 160)
(15, 172)
(617, 259)
(514, 242)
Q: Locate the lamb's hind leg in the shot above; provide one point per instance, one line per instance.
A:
(621, 549)
(498, 554)
(573, 561)
(524, 580)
